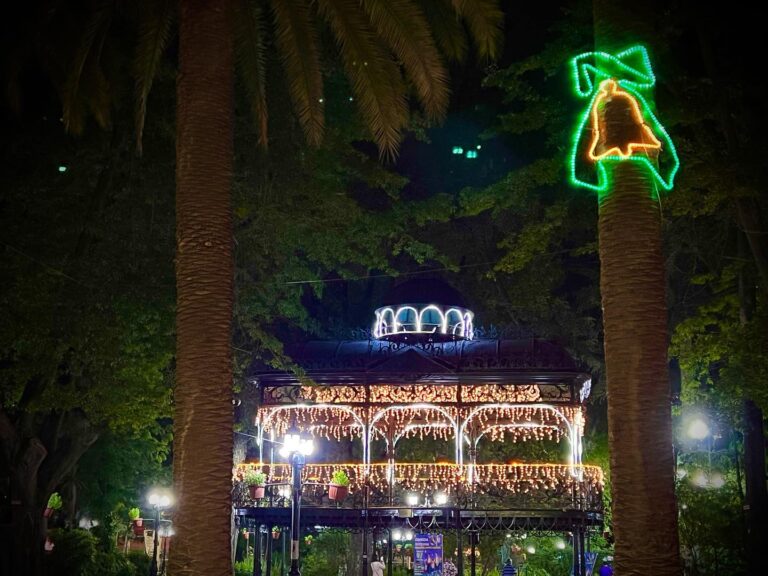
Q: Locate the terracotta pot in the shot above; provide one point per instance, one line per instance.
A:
(138, 522)
(336, 492)
(48, 512)
(256, 492)
(275, 534)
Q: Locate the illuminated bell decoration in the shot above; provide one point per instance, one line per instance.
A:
(423, 322)
(620, 80)
(618, 127)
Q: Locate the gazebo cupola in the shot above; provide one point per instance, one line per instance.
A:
(423, 311)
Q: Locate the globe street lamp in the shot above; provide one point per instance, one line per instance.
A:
(159, 500)
(296, 449)
(698, 429)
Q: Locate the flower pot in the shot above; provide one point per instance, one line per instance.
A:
(138, 522)
(256, 492)
(275, 534)
(48, 512)
(337, 493)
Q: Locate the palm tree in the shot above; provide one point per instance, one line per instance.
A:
(377, 41)
(632, 285)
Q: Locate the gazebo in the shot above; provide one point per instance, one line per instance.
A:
(424, 372)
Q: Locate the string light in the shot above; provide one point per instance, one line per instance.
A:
(501, 393)
(631, 70)
(408, 393)
(609, 90)
(408, 319)
(444, 478)
(497, 421)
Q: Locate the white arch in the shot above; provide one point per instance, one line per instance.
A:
(381, 327)
(398, 323)
(380, 414)
(469, 330)
(460, 325)
(575, 457)
(443, 321)
(275, 409)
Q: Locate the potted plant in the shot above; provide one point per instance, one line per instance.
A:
(255, 481)
(275, 532)
(339, 486)
(134, 514)
(308, 539)
(54, 503)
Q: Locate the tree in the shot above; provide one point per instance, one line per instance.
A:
(203, 416)
(86, 342)
(372, 38)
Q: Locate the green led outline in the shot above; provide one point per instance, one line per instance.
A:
(586, 79)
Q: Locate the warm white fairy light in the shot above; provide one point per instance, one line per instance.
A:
(495, 421)
(431, 478)
(483, 393)
(496, 414)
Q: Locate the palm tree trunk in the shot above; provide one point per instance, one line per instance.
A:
(204, 280)
(639, 411)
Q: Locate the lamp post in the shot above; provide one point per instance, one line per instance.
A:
(159, 500)
(296, 449)
(167, 533)
(698, 430)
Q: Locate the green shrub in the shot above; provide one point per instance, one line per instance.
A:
(77, 553)
(340, 478)
(244, 568)
(74, 552)
(255, 478)
(140, 562)
(55, 501)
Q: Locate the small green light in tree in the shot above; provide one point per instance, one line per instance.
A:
(471, 154)
(458, 150)
(630, 71)
(62, 169)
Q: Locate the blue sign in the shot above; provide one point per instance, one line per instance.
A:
(428, 555)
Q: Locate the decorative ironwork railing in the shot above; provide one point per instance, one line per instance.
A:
(498, 486)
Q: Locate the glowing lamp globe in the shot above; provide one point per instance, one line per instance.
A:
(698, 429)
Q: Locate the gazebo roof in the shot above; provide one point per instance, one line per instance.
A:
(370, 361)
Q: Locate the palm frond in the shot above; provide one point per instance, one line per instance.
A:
(297, 44)
(155, 27)
(447, 29)
(252, 60)
(376, 79)
(96, 94)
(485, 20)
(95, 30)
(403, 27)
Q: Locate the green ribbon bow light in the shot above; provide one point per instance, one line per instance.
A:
(599, 76)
